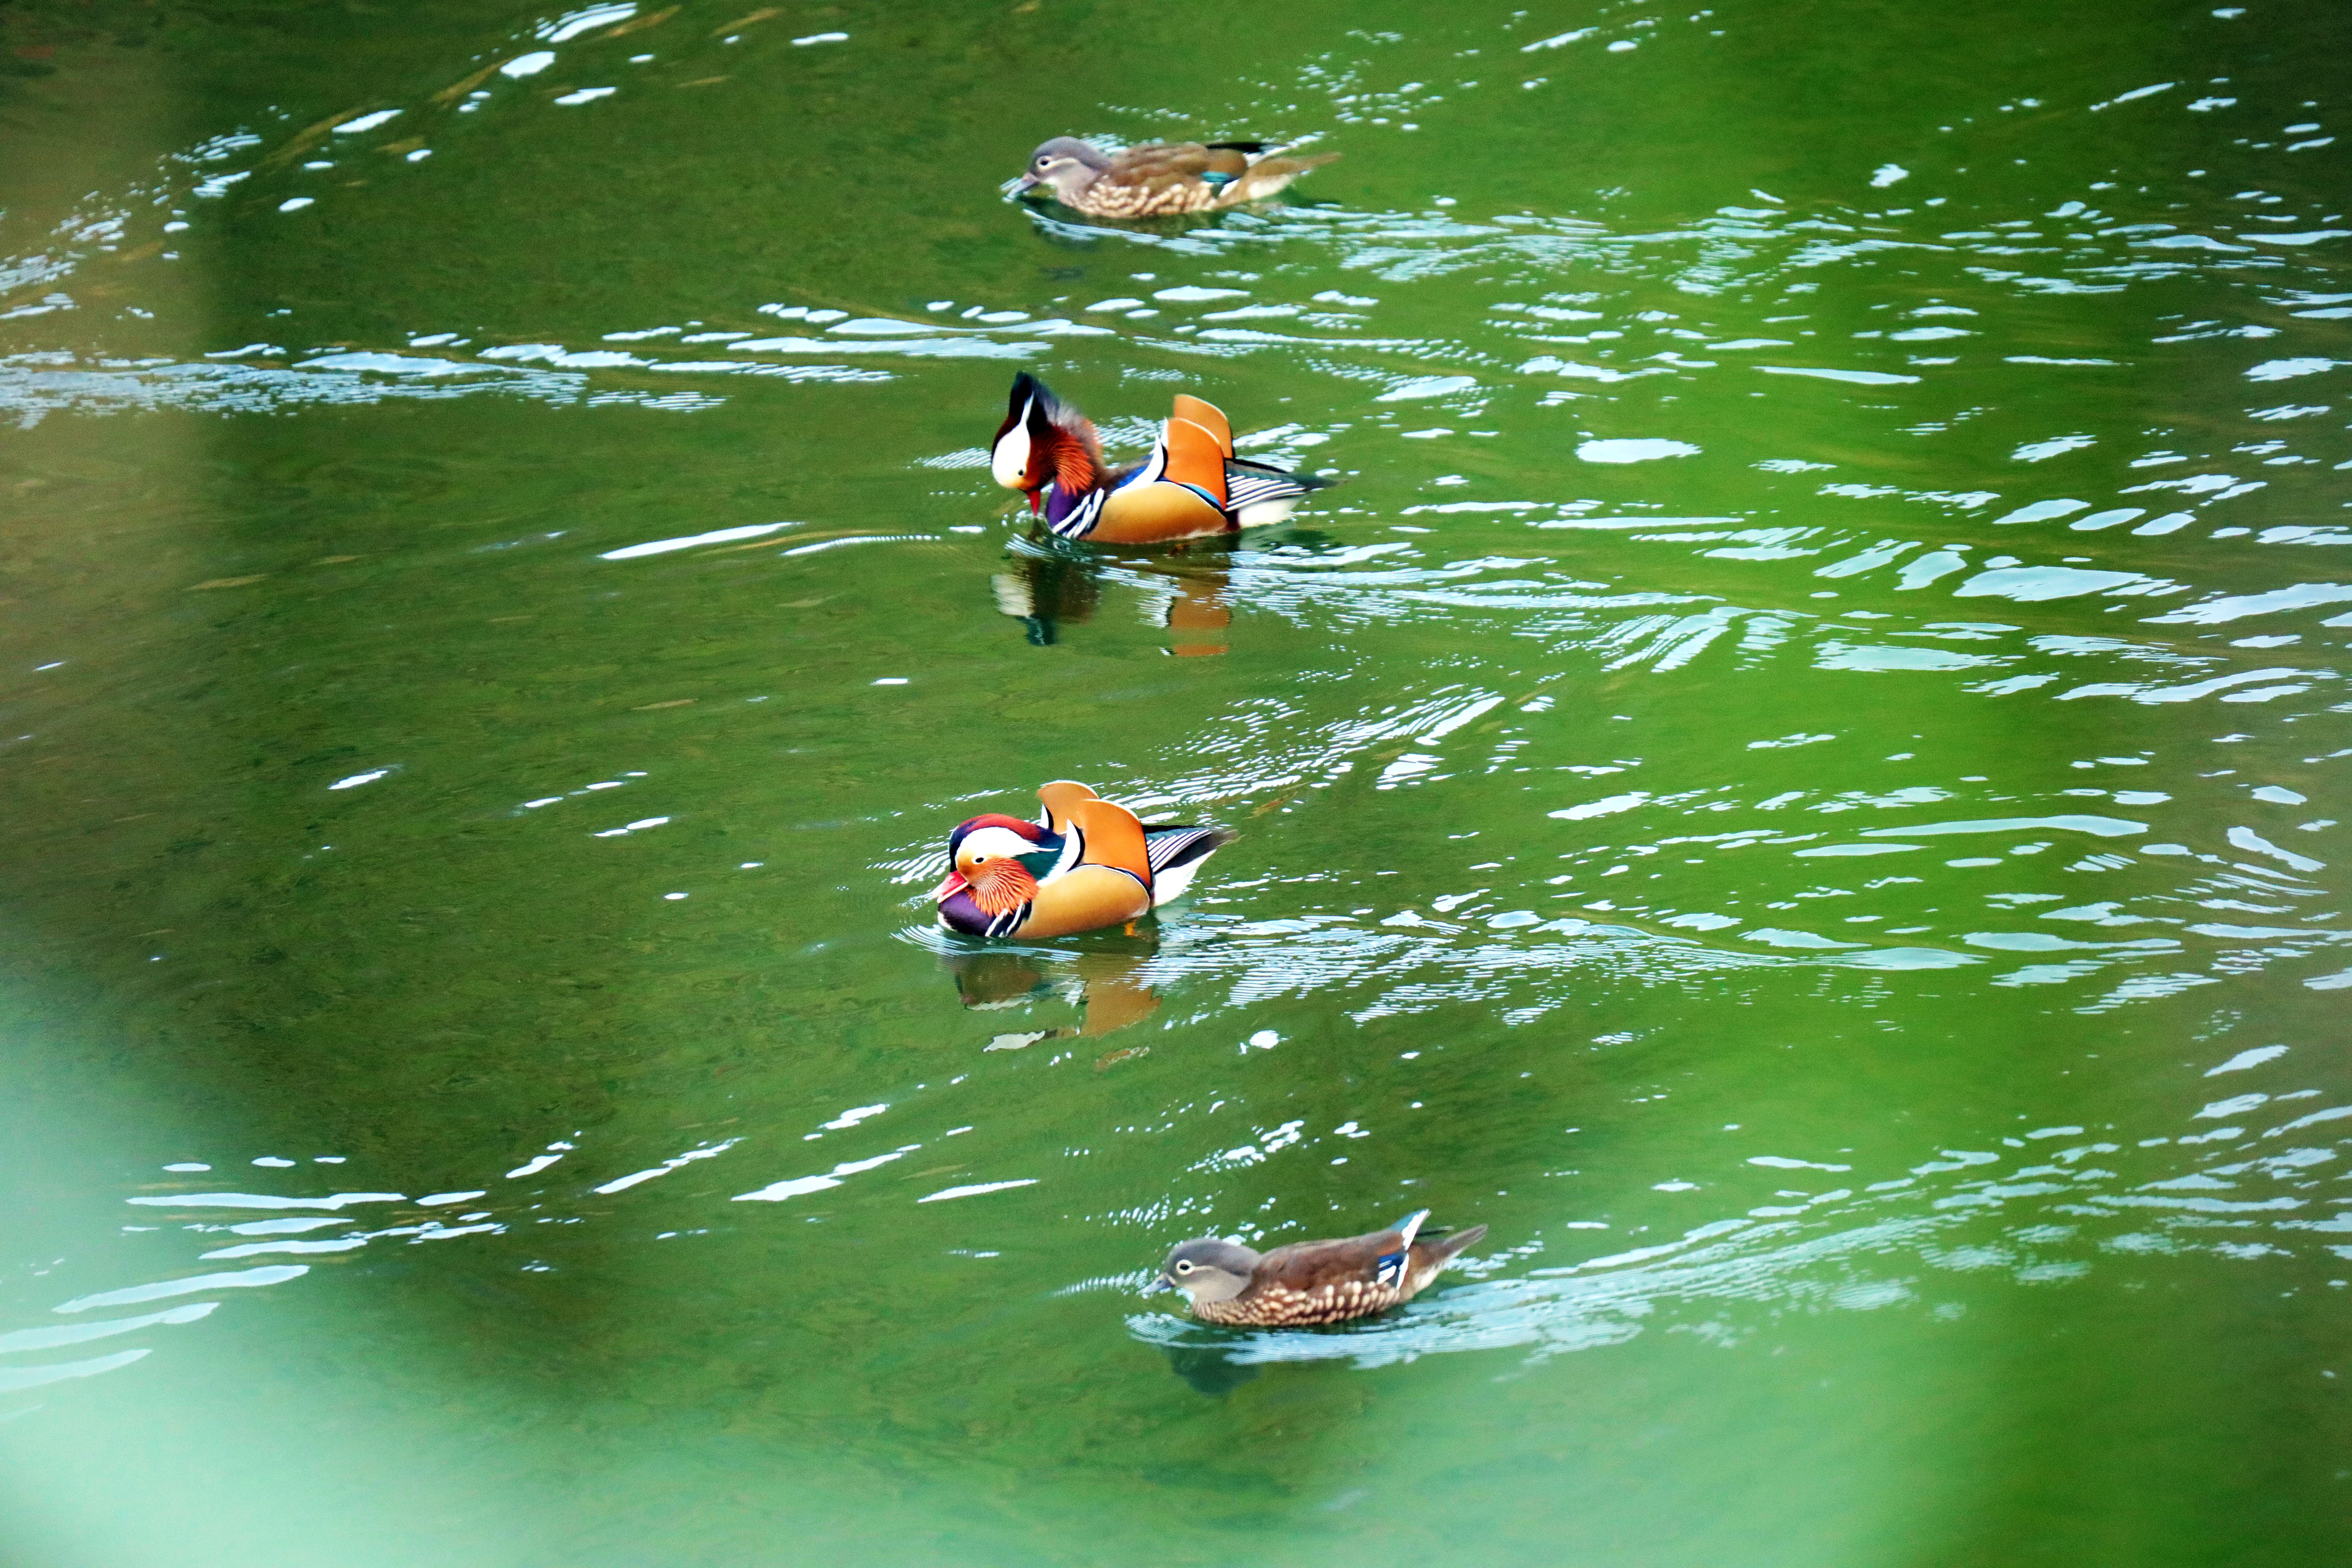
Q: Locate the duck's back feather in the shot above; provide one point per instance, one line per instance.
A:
(1168, 177)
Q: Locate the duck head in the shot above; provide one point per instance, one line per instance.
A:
(1044, 441)
(1208, 1269)
(1064, 166)
(998, 860)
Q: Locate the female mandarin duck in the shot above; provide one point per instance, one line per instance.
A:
(1190, 486)
(1311, 1281)
(1160, 179)
(1083, 865)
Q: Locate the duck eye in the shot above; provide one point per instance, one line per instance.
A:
(1183, 1268)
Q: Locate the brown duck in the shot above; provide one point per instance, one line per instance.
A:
(1159, 180)
(1311, 1281)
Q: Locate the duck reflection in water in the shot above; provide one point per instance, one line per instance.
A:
(1105, 984)
(1049, 589)
(1044, 591)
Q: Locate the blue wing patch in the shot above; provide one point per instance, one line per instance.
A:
(1388, 1269)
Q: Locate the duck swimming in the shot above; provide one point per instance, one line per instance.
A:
(1159, 179)
(1190, 487)
(1311, 1281)
(1083, 865)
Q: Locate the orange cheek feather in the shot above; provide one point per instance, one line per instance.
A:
(1003, 886)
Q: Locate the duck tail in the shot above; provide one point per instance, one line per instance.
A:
(1170, 844)
(1238, 468)
(1176, 853)
(1272, 171)
(1437, 1251)
(1258, 494)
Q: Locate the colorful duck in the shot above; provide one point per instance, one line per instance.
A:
(1161, 179)
(1190, 486)
(1084, 864)
(1311, 1281)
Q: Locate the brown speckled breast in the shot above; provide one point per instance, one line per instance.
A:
(1275, 1307)
(1110, 198)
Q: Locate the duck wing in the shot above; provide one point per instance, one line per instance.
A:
(1375, 1259)
(1207, 416)
(1058, 797)
(1102, 879)
(1196, 459)
(1162, 165)
(1109, 838)
(1177, 493)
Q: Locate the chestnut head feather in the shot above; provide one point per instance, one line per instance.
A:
(1042, 440)
(1001, 884)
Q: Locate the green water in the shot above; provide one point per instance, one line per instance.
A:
(1794, 780)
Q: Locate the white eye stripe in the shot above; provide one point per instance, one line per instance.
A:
(993, 843)
(1010, 461)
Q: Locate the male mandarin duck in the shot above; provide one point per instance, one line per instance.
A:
(1190, 486)
(1311, 1281)
(1161, 179)
(1084, 864)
